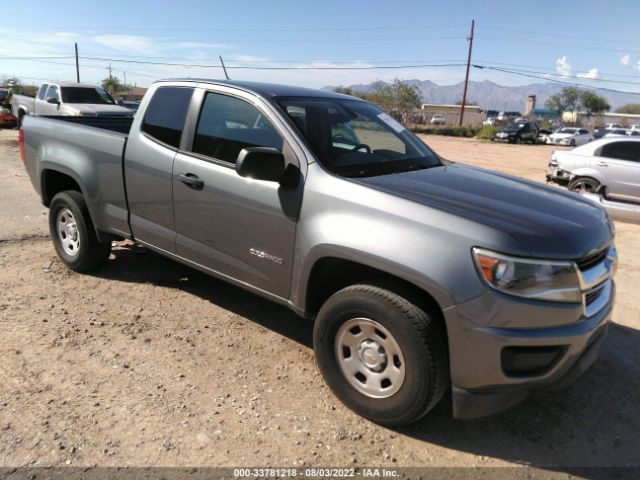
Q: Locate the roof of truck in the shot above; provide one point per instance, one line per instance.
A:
(267, 90)
(75, 84)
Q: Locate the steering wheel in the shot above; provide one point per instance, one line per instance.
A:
(338, 137)
(360, 146)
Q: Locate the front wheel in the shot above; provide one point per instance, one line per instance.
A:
(383, 356)
(583, 185)
(73, 234)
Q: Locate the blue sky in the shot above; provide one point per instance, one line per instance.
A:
(588, 42)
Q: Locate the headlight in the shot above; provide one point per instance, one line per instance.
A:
(555, 281)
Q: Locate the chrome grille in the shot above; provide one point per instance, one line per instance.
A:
(585, 263)
(593, 295)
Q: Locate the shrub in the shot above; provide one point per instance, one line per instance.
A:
(463, 131)
(487, 132)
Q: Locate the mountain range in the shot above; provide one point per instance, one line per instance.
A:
(491, 96)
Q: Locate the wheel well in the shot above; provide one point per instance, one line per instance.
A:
(332, 274)
(54, 182)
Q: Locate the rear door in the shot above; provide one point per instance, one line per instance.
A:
(239, 228)
(150, 153)
(620, 162)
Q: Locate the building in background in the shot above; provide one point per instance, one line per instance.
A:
(451, 113)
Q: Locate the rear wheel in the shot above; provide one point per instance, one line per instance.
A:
(383, 356)
(573, 142)
(20, 117)
(583, 185)
(73, 234)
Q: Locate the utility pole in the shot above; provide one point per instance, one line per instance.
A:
(124, 76)
(466, 78)
(224, 68)
(110, 71)
(77, 65)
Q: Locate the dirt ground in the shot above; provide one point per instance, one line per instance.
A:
(149, 363)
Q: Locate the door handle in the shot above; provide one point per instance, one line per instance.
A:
(191, 180)
(603, 164)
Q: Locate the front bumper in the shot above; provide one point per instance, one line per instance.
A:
(558, 176)
(502, 347)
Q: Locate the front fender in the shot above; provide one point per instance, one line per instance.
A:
(587, 172)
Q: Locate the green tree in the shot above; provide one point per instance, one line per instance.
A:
(113, 85)
(632, 108)
(396, 97)
(592, 103)
(573, 99)
(568, 100)
(343, 90)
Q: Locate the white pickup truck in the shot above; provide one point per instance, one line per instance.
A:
(68, 99)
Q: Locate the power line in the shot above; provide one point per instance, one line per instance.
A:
(559, 35)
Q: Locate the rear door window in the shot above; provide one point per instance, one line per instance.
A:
(622, 151)
(165, 115)
(228, 124)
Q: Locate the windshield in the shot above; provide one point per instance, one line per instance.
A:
(512, 127)
(356, 139)
(567, 130)
(86, 95)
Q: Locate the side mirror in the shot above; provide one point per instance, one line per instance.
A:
(261, 163)
(53, 100)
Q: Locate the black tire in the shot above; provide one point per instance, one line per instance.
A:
(573, 142)
(90, 253)
(20, 115)
(419, 335)
(516, 140)
(584, 185)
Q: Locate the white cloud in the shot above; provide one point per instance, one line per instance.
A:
(564, 67)
(202, 45)
(129, 43)
(625, 59)
(591, 74)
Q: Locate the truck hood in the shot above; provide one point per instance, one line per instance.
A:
(98, 109)
(548, 222)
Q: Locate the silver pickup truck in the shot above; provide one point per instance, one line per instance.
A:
(422, 276)
(66, 98)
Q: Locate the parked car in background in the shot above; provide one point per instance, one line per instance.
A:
(612, 126)
(570, 136)
(5, 93)
(438, 119)
(600, 132)
(7, 120)
(607, 169)
(616, 132)
(633, 133)
(129, 104)
(519, 131)
(66, 98)
(490, 121)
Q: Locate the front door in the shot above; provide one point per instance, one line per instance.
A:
(240, 228)
(620, 162)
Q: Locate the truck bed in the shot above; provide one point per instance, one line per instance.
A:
(88, 149)
(111, 123)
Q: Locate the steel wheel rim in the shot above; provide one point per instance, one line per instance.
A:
(68, 233)
(584, 187)
(370, 358)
